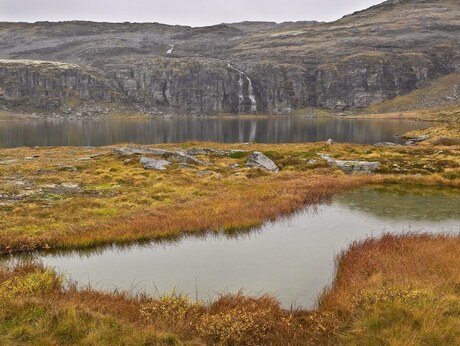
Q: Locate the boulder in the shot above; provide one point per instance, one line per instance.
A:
(159, 165)
(257, 159)
(415, 140)
(352, 166)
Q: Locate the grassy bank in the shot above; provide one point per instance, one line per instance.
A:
(396, 290)
(77, 197)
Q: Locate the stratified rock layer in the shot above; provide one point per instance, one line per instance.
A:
(364, 58)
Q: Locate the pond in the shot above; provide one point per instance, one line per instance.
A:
(230, 129)
(292, 259)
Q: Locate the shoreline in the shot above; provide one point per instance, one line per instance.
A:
(353, 299)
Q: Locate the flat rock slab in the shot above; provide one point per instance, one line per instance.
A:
(62, 188)
(179, 156)
(176, 156)
(209, 151)
(415, 140)
(128, 151)
(386, 144)
(352, 166)
(159, 165)
(257, 159)
(205, 151)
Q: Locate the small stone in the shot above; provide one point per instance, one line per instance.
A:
(69, 185)
(67, 168)
(186, 165)
(203, 173)
(159, 165)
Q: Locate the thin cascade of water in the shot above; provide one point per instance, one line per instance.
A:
(251, 95)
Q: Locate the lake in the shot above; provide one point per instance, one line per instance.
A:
(230, 129)
(292, 258)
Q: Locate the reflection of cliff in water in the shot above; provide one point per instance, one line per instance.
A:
(399, 202)
(295, 129)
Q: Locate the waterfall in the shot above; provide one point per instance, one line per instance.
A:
(252, 97)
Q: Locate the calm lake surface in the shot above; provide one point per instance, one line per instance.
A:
(276, 129)
(292, 259)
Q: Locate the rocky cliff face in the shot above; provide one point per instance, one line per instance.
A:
(50, 85)
(362, 59)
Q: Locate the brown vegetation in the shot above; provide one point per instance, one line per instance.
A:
(396, 290)
(80, 197)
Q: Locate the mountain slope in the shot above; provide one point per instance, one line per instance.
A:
(362, 59)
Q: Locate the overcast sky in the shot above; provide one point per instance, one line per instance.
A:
(184, 12)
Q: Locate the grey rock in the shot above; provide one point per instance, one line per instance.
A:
(257, 159)
(67, 168)
(234, 165)
(182, 157)
(203, 173)
(128, 151)
(204, 151)
(352, 166)
(186, 165)
(386, 144)
(414, 140)
(62, 188)
(159, 165)
(175, 156)
(217, 152)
